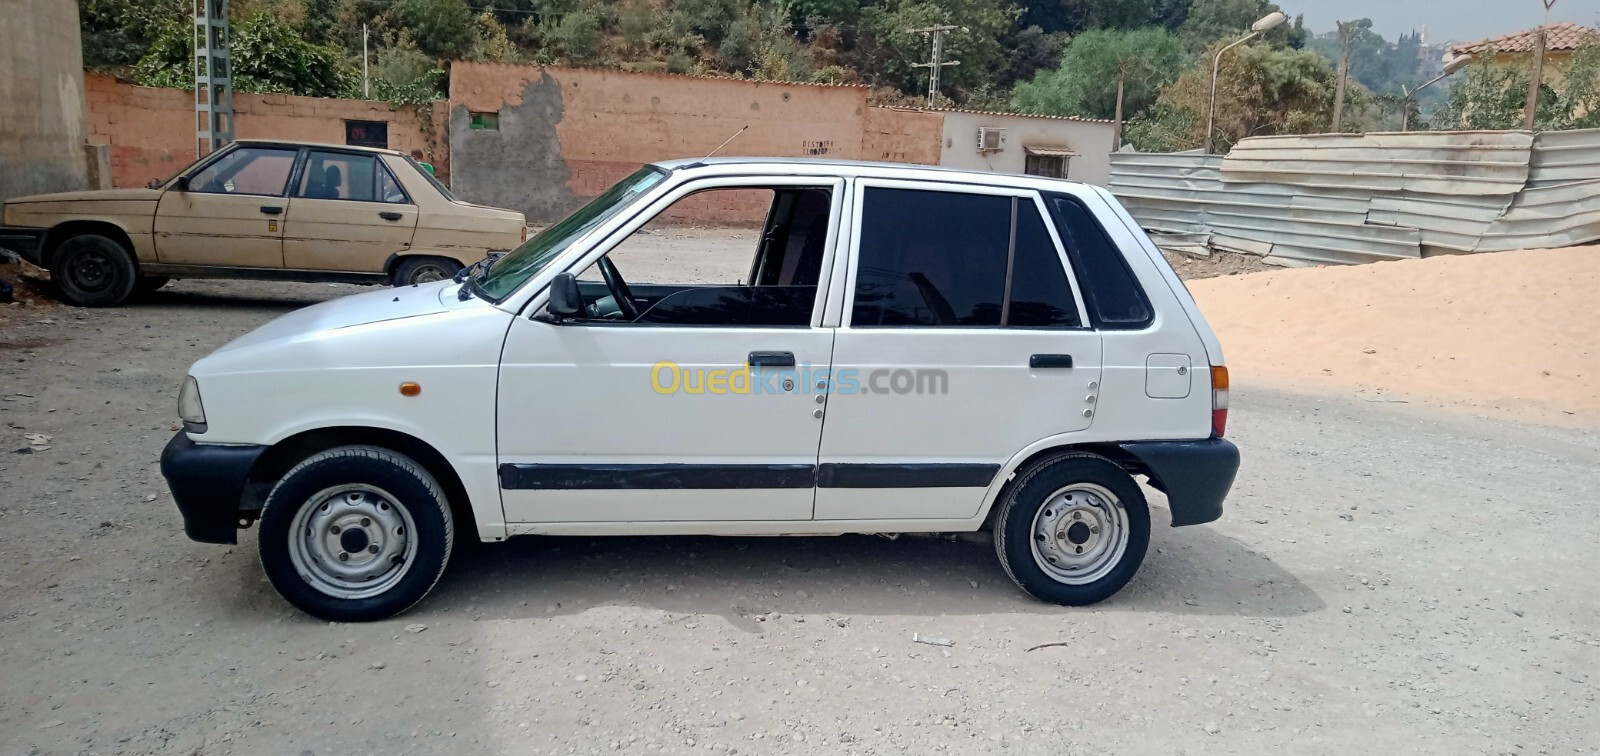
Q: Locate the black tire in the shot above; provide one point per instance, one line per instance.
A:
(415, 270)
(1073, 483)
(148, 284)
(93, 271)
(384, 477)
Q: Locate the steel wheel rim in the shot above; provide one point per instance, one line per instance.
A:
(1079, 534)
(365, 524)
(428, 274)
(90, 271)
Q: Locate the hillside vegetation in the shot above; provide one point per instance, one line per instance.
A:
(1057, 57)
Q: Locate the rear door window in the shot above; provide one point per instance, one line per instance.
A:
(931, 258)
(949, 259)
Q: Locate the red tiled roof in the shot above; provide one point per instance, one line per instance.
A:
(1562, 36)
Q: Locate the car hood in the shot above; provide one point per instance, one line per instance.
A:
(92, 194)
(348, 312)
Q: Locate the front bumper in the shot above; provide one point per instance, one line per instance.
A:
(25, 241)
(1195, 475)
(207, 482)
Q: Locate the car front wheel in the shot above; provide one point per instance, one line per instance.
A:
(1073, 530)
(93, 271)
(355, 533)
(418, 270)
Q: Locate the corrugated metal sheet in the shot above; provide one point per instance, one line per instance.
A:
(1346, 198)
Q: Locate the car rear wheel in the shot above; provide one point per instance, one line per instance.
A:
(417, 270)
(1073, 530)
(93, 271)
(355, 534)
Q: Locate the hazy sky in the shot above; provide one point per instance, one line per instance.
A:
(1459, 20)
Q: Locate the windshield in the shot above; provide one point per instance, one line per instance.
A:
(533, 255)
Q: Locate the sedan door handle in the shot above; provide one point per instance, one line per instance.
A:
(271, 210)
(771, 359)
(1050, 361)
(389, 216)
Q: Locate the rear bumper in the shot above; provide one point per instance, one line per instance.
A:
(1195, 475)
(207, 482)
(25, 241)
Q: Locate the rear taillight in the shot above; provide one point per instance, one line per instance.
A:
(524, 233)
(1219, 401)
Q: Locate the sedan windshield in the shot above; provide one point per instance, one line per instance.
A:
(533, 255)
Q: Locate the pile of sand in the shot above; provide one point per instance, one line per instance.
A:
(1514, 335)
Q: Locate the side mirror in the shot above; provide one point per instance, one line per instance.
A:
(565, 299)
(182, 184)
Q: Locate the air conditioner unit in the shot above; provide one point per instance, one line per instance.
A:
(991, 139)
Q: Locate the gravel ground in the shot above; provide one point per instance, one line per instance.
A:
(1386, 578)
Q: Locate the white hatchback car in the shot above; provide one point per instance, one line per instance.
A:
(894, 349)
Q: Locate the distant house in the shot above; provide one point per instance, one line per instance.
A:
(1561, 43)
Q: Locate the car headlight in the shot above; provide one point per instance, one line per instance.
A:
(190, 410)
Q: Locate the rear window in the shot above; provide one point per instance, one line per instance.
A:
(1110, 291)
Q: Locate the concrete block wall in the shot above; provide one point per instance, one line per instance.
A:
(42, 124)
(150, 131)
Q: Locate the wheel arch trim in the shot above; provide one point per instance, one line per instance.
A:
(290, 448)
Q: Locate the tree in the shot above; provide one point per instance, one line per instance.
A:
(444, 29)
(1494, 96)
(1095, 66)
(1379, 66)
(266, 56)
(1074, 16)
(120, 32)
(1260, 91)
(885, 50)
(1211, 20)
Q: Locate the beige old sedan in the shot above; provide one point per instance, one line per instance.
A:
(287, 211)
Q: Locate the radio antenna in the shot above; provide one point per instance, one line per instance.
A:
(725, 142)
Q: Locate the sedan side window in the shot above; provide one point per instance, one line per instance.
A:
(247, 170)
(348, 176)
(947, 259)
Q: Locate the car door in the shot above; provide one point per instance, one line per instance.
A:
(704, 408)
(963, 342)
(231, 213)
(348, 214)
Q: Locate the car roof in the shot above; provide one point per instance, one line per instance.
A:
(328, 145)
(780, 166)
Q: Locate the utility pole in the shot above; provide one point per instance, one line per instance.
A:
(366, 92)
(1531, 111)
(1344, 75)
(213, 80)
(937, 63)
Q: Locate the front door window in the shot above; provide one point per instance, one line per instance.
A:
(246, 170)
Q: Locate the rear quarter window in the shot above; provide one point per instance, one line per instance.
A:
(1110, 291)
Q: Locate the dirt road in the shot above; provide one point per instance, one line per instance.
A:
(1384, 579)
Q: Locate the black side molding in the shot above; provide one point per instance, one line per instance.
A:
(929, 475)
(570, 477)
(558, 477)
(1195, 475)
(1050, 361)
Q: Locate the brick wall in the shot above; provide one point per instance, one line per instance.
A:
(565, 135)
(150, 131)
(898, 135)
